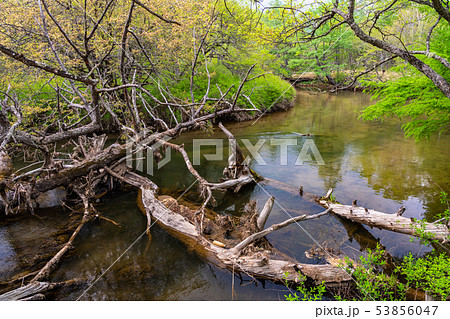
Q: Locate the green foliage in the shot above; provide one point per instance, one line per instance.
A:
(323, 56)
(306, 293)
(331, 52)
(339, 55)
(413, 97)
(263, 91)
(38, 102)
(430, 274)
(444, 217)
(372, 282)
(333, 199)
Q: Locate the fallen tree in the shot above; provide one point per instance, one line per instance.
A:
(260, 260)
(92, 168)
(90, 90)
(392, 222)
(264, 263)
(36, 290)
(187, 225)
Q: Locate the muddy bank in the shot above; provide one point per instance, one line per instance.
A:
(326, 87)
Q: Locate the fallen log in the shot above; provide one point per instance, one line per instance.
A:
(294, 191)
(235, 250)
(267, 264)
(100, 159)
(35, 290)
(392, 222)
(24, 292)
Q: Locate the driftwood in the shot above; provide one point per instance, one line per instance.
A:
(265, 265)
(35, 290)
(265, 212)
(235, 250)
(51, 265)
(290, 189)
(237, 173)
(392, 222)
(109, 156)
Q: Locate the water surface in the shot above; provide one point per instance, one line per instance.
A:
(370, 162)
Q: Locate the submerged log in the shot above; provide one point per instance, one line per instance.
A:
(267, 264)
(25, 292)
(36, 290)
(294, 191)
(392, 222)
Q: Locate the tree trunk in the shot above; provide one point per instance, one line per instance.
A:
(269, 266)
(391, 222)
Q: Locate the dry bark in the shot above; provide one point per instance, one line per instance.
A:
(265, 265)
(265, 212)
(35, 290)
(392, 222)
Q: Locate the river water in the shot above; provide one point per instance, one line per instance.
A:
(370, 162)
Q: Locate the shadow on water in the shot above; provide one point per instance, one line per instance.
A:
(372, 162)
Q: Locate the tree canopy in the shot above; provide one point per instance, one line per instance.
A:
(373, 34)
(81, 67)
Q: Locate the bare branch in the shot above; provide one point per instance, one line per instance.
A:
(443, 12)
(236, 249)
(265, 212)
(64, 74)
(63, 32)
(244, 80)
(155, 14)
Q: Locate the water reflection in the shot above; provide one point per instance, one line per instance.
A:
(372, 162)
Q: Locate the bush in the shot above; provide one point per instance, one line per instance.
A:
(429, 274)
(264, 91)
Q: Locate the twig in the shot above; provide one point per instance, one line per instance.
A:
(236, 249)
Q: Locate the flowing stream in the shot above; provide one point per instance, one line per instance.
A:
(371, 162)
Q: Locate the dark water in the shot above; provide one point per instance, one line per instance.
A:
(372, 162)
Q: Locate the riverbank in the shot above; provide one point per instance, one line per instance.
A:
(311, 81)
(282, 106)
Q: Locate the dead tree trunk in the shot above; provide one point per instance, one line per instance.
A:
(392, 222)
(35, 290)
(267, 266)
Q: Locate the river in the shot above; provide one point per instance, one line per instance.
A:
(370, 162)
